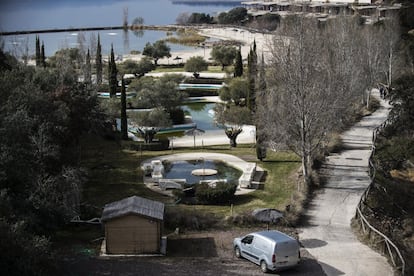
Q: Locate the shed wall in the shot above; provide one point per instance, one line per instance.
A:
(132, 234)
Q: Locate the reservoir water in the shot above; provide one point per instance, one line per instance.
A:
(18, 15)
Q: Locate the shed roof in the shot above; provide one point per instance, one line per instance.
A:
(134, 205)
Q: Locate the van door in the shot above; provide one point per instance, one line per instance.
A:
(246, 248)
(260, 248)
(287, 253)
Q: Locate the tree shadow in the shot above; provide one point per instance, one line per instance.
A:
(313, 243)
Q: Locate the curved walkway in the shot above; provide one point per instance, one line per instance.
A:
(328, 235)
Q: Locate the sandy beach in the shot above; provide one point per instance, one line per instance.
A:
(238, 34)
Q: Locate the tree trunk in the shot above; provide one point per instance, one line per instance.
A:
(232, 135)
(305, 170)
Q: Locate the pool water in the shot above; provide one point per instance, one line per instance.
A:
(202, 114)
(183, 169)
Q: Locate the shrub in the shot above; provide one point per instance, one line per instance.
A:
(222, 193)
(177, 116)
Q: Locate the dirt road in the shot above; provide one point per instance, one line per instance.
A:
(201, 253)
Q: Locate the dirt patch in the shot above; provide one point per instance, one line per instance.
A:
(200, 253)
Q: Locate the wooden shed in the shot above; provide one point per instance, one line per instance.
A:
(133, 226)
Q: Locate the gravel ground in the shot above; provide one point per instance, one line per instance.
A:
(205, 253)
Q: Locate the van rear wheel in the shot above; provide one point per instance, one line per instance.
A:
(237, 252)
(263, 266)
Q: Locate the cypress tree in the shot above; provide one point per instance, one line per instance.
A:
(260, 122)
(37, 51)
(124, 121)
(112, 72)
(87, 73)
(238, 66)
(98, 62)
(42, 56)
(252, 75)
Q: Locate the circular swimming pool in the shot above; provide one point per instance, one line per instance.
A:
(183, 170)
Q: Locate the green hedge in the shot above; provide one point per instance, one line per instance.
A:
(204, 80)
(222, 193)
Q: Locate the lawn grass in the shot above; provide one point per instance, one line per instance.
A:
(161, 69)
(210, 69)
(114, 173)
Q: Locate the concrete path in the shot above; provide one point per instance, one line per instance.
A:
(215, 137)
(328, 235)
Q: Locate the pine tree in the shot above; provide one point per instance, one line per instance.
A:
(37, 51)
(124, 120)
(112, 72)
(238, 66)
(98, 62)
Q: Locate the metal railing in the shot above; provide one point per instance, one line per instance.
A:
(374, 235)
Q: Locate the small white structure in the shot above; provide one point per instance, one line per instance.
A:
(165, 183)
(247, 176)
(157, 169)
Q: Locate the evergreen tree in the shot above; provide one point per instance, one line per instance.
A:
(37, 51)
(260, 122)
(124, 120)
(42, 56)
(87, 72)
(112, 72)
(252, 75)
(238, 66)
(98, 62)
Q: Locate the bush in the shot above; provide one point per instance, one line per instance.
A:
(203, 80)
(268, 22)
(234, 16)
(392, 153)
(222, 193)
(177, 116)
(188, 220)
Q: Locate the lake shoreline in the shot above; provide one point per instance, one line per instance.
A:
(87, 29)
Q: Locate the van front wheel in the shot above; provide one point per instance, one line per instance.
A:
(263, 266)
(237, 252)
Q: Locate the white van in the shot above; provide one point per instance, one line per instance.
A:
(272, 250)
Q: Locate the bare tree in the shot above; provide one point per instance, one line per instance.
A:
(82, 46)
(373, 57)
(390, 28)
(93, 41)
(345, 58)
(299, 103)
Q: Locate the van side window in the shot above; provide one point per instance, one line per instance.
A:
(247, 239)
